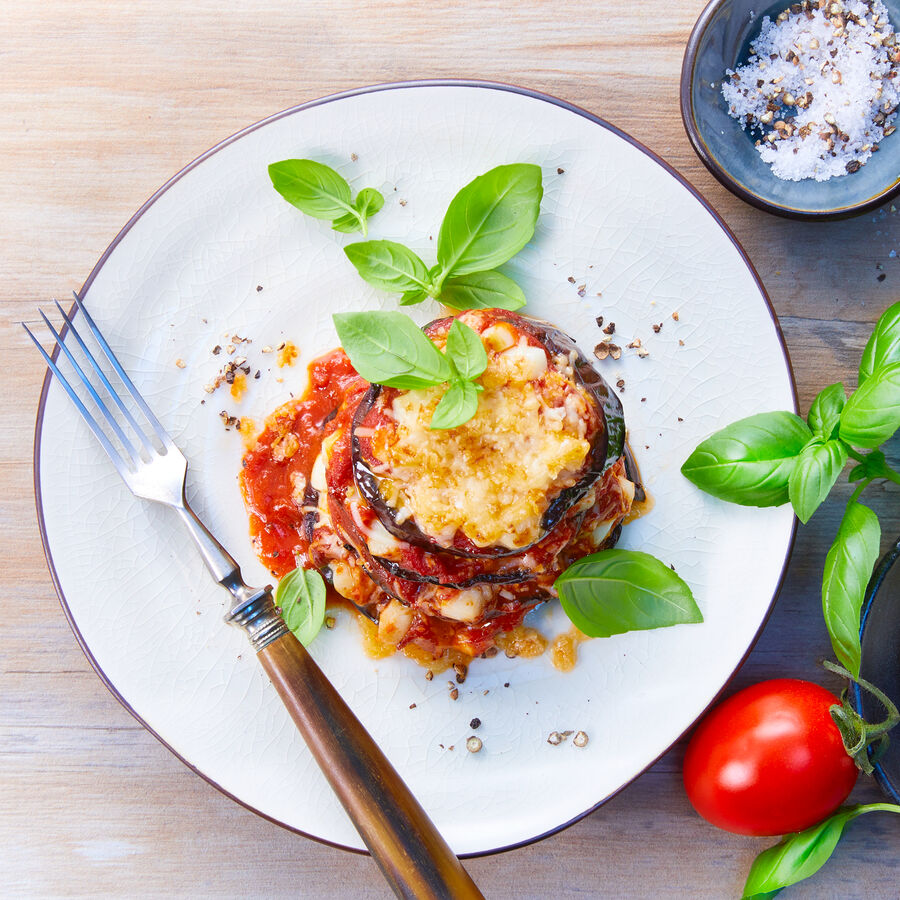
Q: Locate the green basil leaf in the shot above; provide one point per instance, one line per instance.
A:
(482, 290)
(457, 406)
(312, 187)
(411, 298)
(750, 461)
(848, 568)
(368, 202)
(347, 224)
(813, 476)
(797, 856)
(873, 465)
(465, 351)
(490, 220)
(388, 265)
(615, 591)
(825, 412)
(389, 348)
(872, 413)
(883, 347)
(301, 596)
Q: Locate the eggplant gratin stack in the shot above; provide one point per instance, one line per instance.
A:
(446, 539)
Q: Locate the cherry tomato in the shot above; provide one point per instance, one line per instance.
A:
(769, 760)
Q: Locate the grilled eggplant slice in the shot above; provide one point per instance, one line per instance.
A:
(606, 439)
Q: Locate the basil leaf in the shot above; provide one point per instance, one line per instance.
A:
(411, 298)
(873, 465)
(800, 855)
(457, 406)
(615, 591)
(825, 412)
(750, 461)
(482, 290)
(348, 224)
(848, 568)
(312, 187)
(883, 347)
(814, 474)
(490, 220)
(388, 265)
(368, 202)
(389, 348)
(465, 351)
(301, 596)
(872, 413)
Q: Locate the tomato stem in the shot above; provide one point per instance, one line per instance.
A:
(864, 743)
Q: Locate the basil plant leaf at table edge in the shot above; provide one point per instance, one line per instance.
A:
(487, 223)
(772, 458)
(321, 192)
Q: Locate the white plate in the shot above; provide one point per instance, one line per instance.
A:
(185, 271)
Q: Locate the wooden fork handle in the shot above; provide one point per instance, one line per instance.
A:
(413, 856)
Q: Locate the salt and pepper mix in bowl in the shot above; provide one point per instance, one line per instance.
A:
(793, 107)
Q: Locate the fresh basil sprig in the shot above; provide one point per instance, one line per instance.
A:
(768, 459)
(800, 855)
(389, 348)
(616, 591)
(487, 223)
(320, 192)
(301, 598)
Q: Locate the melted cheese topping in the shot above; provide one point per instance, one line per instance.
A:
(490, 477)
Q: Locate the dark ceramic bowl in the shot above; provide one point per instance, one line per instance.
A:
(881, 661)
(720, 40)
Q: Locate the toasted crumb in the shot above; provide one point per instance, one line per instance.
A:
(180, 363)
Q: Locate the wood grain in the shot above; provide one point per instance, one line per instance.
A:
(100, 103)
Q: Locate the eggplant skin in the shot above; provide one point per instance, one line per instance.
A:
(607, 445)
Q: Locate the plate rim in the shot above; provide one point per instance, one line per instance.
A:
(354, 92)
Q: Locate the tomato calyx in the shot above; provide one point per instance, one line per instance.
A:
(865, 743)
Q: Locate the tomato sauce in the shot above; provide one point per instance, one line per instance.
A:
(278, 466)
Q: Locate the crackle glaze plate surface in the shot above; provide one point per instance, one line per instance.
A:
(217, 252)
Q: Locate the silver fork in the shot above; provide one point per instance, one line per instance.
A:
(412, 855)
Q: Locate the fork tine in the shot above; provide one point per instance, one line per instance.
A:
(129, 447)
(102, 376)
(161, 433)
(111, 451)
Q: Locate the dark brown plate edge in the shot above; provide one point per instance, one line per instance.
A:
(487, 85)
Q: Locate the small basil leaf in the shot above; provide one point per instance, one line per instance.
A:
(813, 476)
(857, 473)
(848, 568)
(465, 351)
(750, 461)
(388, 265)
(348, 223)
(797, 856)
(457, 406)
(301, 596)
(482, 290)
(389, 348)
(873, 465)
(312, 187)
(490, 220)
(872, 413)
(411, 298)
(825, 412)
(883, 347)
(368, 202)
(615, 591)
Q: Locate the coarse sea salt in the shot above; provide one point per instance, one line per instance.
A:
(822, 87)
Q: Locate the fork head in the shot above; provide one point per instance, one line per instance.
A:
(152, 469)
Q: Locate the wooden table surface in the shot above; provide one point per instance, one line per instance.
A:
(100, 102)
